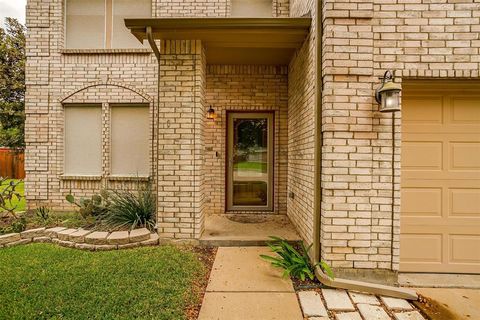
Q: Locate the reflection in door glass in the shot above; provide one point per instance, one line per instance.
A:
(250, 162)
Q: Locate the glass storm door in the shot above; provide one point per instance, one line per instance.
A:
(250, 161)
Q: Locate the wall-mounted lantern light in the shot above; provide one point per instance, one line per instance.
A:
(211, 114)
(388, 94)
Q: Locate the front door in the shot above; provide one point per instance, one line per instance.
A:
(250, 162)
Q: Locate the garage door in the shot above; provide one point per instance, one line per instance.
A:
(440, 188)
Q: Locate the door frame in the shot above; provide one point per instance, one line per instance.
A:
(270, 207)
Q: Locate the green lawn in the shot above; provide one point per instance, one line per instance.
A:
(254, 166)
(43, 281)
(21, 189)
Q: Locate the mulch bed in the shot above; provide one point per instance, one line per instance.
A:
(308, 284)
(207, 256)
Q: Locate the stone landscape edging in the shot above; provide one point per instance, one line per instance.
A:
(82, 239)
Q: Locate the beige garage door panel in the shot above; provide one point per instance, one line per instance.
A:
(440, 218)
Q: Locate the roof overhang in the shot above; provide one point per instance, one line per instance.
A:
(231, 40)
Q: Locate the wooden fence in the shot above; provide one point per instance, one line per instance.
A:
(12, 165)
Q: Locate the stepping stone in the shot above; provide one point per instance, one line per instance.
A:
(42, 239)
(372, 312)
(52, 232)
(16, 243)
(153, 241)
(97, 237)
(411, 315)
(318, 318)
(139, 235)
(364, 298)
(39, 232)
(11, 237)
(85, 246)
(312, 304)
(63, 235)
(337, 300)
(348, 316)
(105, 247)
(129, 245)
(118, 237)
(79, 235)
(68, 244)
(395, 303)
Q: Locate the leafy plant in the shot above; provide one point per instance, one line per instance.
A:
(18, 225)
(43, 213)
(9, 196)
(295, 264)
(131, 209)
(95, 206)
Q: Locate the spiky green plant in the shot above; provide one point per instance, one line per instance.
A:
(294, 263)
(130, 209)
(43, 213)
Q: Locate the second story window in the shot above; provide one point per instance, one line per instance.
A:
(251, 8)
(99, 24)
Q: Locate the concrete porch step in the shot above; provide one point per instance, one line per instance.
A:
(237, 242)
(246, 230)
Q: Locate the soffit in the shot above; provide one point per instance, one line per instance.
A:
(231, 40)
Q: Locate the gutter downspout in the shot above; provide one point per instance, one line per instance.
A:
(321, 276)
(155, 49)
(318, 138)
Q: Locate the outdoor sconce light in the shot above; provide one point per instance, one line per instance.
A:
(211, 114)
(388, 94)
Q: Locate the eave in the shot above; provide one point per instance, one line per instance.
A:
(231, 40)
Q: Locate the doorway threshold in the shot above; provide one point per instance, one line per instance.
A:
(231, 230)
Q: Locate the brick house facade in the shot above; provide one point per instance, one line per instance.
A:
(345, 198)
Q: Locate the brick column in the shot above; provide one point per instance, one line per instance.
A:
(357, 150)
(38, 48)
(181, 117)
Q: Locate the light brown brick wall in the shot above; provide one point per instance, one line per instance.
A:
(363, 39)
(301, 124)
(208, 8)
(244, 88)
(53, 78)
(56, 76)
(180, 140)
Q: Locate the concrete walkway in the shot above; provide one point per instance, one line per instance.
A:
(243, 286)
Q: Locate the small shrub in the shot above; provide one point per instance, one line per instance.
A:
(43, 213)
(131, 210)
(18, 225)
(295, 264)
(95, 206)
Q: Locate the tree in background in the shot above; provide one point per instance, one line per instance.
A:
(12, 85)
